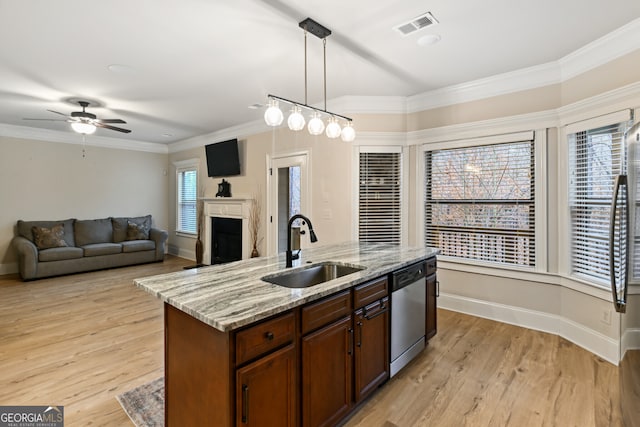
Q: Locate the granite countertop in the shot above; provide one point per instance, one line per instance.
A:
(229, 296)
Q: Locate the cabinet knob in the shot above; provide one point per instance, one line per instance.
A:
(269, 335)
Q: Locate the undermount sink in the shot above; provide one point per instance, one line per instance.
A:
(311, 275)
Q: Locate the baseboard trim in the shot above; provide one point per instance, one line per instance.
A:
(593, 341)
(630, 341)
(182, 253)
(8, 268)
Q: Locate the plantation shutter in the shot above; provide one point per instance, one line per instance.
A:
(187, 199)
(596, 156)
(480, 202)
(380, 190)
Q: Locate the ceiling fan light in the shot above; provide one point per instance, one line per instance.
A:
(273, 115)
(316, 125)
(333, 129)
(296, 119)
(83, 128)
(348, 133)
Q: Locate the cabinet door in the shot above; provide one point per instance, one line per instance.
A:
(432, 305)
(326, 374)
(372, 347)
(266, 391)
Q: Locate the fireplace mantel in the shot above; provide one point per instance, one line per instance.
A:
(226, 207)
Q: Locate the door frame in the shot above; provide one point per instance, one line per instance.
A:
(282, 160)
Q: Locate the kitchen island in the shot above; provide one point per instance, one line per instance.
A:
(241, 351)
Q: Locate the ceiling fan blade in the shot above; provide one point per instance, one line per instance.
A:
(111, 121)
(101, 125)
(47, 120)
(57, 112)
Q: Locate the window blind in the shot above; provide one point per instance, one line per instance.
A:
(187, 200)
(596, 156)
(380, 191)
(480, 202)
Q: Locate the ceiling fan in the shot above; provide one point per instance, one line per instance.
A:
(86, 123)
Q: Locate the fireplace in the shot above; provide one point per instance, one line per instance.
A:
(226, 240)
(234, 239)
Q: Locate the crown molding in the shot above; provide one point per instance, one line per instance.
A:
(617, 43)
(599, 52)
(500, 84)
(48, 135)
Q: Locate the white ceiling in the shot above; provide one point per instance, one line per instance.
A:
(194, 66)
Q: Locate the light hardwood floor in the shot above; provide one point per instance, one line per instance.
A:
(80, 340)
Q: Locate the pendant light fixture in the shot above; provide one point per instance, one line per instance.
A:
(273, 115)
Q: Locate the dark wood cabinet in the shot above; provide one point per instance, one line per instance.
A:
(310, 366)
(326, 373)
(371, 354)
(266, 391)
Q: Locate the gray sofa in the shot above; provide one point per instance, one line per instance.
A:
(53, 248)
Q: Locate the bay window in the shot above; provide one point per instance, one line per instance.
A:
(479, 201)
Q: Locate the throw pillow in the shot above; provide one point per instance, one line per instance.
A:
(46, 238)
(137, 231)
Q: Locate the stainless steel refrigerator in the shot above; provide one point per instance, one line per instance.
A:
(624, 264)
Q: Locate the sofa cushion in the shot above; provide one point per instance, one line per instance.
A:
(96, 249)
(46, 238)
(120, 226)
(92, 231)
(59, 254)
(25, 229)
(138, 245)
(137, 231)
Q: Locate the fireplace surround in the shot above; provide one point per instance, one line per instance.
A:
(226, 207)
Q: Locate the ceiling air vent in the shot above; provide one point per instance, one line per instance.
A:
(417, 23)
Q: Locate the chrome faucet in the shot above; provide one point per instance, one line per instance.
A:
(312, 237)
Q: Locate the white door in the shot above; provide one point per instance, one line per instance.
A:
(288, 195)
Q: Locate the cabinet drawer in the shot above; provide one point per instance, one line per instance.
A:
(326, 311)
(432, 266)
(376, 308)
(264, 337)
(370, 292)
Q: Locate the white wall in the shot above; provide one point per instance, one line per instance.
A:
(42, 180)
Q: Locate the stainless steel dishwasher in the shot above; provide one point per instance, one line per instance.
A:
(408, 314)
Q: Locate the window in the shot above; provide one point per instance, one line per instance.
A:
(187, 189)
(596, 156)
(380, 201)
(480, 202)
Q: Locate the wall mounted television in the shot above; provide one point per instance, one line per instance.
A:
(223, 158)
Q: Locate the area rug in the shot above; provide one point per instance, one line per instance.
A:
(145, 404)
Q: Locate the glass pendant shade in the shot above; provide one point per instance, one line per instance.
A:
(316, 125)
(333, 129)
(273, 116)
(296, 119)
(348, 133)
(84, 128)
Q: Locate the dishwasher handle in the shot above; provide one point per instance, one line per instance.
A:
(407, 276)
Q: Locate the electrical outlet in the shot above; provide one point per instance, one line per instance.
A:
(606, 317)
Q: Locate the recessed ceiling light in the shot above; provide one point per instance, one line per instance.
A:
(167, 135)
(429, 39)
(255, 106)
